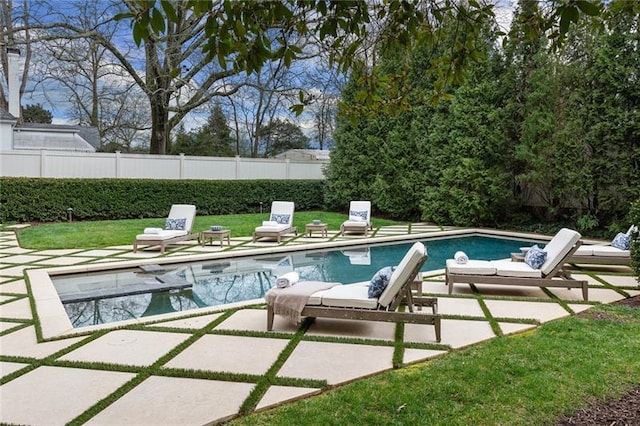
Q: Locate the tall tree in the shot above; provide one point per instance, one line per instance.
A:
(212, 139)
(279, 136)
(35, 113)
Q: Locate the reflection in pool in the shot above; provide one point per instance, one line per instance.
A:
(110, 296)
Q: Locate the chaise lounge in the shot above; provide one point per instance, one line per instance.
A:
(333, 300)
(359, 221)
(551, 273)
(616, 253)
(279, 224)
(177, 228)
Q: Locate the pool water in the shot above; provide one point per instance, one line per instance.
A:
(111, 296)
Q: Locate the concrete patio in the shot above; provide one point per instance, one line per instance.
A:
(201, 367)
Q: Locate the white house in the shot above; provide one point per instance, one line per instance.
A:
(33, 136)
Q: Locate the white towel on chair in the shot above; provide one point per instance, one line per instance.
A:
(152, 230)
(461, 258)
(287, 280)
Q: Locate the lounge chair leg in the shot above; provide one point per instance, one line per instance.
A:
(135, 246)
(585, 290)
(438, 330)
(269, 318)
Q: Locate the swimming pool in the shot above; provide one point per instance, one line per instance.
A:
(118, 295)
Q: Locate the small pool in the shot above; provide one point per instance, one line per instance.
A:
(117, 295)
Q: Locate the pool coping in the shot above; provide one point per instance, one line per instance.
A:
(54, 322)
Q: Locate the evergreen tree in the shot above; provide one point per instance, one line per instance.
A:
(281, 135)
(213, 139)
(35, 113)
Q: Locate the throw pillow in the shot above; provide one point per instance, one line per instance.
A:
(621, 241)
(173, 224)
(380, 281)
(358, 215)
(282, 219)
(535, 257)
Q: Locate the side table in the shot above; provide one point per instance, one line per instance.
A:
(312, 227)
(211, 235)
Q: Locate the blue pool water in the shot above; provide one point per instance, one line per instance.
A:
(110, 296)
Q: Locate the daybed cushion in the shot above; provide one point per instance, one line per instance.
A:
(472, 267)
(348, 296)
(586, 250)
(163, 235)
(507, 268)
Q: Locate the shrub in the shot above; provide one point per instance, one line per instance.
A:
(634, 218)
(47, 200)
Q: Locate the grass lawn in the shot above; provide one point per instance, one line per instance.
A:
(527, 379)
(105, 233)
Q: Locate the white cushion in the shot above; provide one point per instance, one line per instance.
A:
(610, 251)
(348, 296)
(163, 235)
(558, 248)
(355, 223)
(472, 267)
(584, 251)
(507, 268)
(277, 228)
(187, 211)
(404, 273)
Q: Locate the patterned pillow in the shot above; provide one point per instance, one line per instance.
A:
(358, 215)
(175, 224)
(380, 281)
(282, 219)
(535, 257)
(621, 241)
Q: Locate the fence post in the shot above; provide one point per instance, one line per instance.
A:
(237, 166)
(117, 164)
(43, 161)
(181, 165)
(287, 165)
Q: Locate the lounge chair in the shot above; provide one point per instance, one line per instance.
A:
(177, 227)
(504, 272)
(603, 254)
(280, 222)
(352, 301)
(359, 221)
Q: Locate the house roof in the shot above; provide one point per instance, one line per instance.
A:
(89, 134)
(6, 116)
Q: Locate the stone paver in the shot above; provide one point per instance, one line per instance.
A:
(540, 311)
(189, 323)
(17, 286)
(352, 328)
(127, 347)
(277, 395)
(336, 362)
(455, 333)
(8, 368)
(56, 395)
(256, 320)
(18, 309)
(175, 401)
(233, 354)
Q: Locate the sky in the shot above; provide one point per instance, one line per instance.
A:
(54, 97)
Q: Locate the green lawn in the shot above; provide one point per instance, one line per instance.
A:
(84, 235)
(527, 379)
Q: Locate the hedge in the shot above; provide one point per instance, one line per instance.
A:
(47, 199)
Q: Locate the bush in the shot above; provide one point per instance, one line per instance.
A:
(47, 200)
(634, 218)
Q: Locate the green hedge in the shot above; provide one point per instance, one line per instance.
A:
(47, 200)
(634, 218)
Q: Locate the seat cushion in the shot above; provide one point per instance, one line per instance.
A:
(348, 296)
(586, 250)
(507, 268)
(277, 228)
(472, 267)
(610, 251)
(163, 235)
(355, 224)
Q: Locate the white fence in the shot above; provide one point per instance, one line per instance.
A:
(60, 164)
